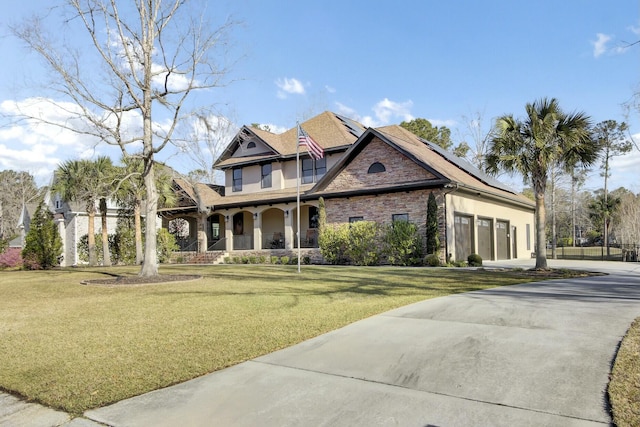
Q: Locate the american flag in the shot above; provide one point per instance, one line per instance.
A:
(313, 148)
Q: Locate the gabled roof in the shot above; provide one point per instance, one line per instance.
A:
(448, 169)
(331, 131)
(189, 194)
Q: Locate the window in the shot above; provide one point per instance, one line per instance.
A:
(528, 231)
(321, 167)
(307, 171)
(251, 144)
(400, 217)
(266, 175)
(237, 180)
(376, 167)
(353, 219)
(313, 170)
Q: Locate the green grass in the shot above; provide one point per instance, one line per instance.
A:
(76, 347)
(624, 386)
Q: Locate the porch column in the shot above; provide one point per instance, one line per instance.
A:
(257, 231)
(228, 233)
(289, 232)
(201, 222)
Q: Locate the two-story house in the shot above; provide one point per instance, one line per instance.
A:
(382, 175)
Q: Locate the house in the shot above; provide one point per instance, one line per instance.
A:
(73, 224)
(382, 175)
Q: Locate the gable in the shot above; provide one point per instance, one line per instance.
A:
(399, 169)
(251, 147)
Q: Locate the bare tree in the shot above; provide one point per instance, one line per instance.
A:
(205, 142)
(476, 138)
(16, 190)
(130, 87)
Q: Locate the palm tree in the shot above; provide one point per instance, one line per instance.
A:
(546, 138)
(103, 172)
(601, 209)
(87, 182)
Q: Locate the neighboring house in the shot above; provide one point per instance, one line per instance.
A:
(381, 175)
(73, 223)
(24, 223)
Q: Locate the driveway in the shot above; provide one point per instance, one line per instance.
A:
(537, 354)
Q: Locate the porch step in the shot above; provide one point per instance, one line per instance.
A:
(207, 258)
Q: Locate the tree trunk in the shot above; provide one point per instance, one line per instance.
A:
(541, 252)
(554, 241)
(150, 262)
(91, 235)
(138, 232)
(106, 255)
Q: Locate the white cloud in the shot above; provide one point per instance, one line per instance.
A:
(600, 45)
(385, 112)
(330, 89)
(386, 109)
(289, 86)
(448, 123)
(273, 128)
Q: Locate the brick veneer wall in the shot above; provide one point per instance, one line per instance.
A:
(399, 169)
(380, 208)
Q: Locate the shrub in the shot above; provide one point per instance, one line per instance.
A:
(459, 264)
(123, 246)
(333, 241)
(275, 259)
(432, 260)
(284, 260)
(166, 244)
(362, 247)
(293, 260)
(306, 260)
(474, 260)
(403, 244)
(253, 259)
(433, 241)
(43, 245)
(227, 260)
(262, 259)
(244, 260)
(11, 258)
(237, 260)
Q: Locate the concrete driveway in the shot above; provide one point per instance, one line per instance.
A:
(529, 355)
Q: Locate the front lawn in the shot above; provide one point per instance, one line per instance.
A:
(76, 347)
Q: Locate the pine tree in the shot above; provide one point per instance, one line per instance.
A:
(433, 242)
(43, 245)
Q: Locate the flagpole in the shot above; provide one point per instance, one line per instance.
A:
(298, 192)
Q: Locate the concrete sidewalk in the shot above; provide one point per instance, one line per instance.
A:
(529, 355)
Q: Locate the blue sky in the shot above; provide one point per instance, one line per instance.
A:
(385, 62)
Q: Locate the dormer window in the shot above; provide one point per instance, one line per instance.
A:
(376, 167)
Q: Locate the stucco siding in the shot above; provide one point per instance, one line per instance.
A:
(478, 207)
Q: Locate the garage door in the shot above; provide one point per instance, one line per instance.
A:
(485, 239)
(502, 239)
(463, 236)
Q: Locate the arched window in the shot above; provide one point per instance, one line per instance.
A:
(376, 167)
(251, 144)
